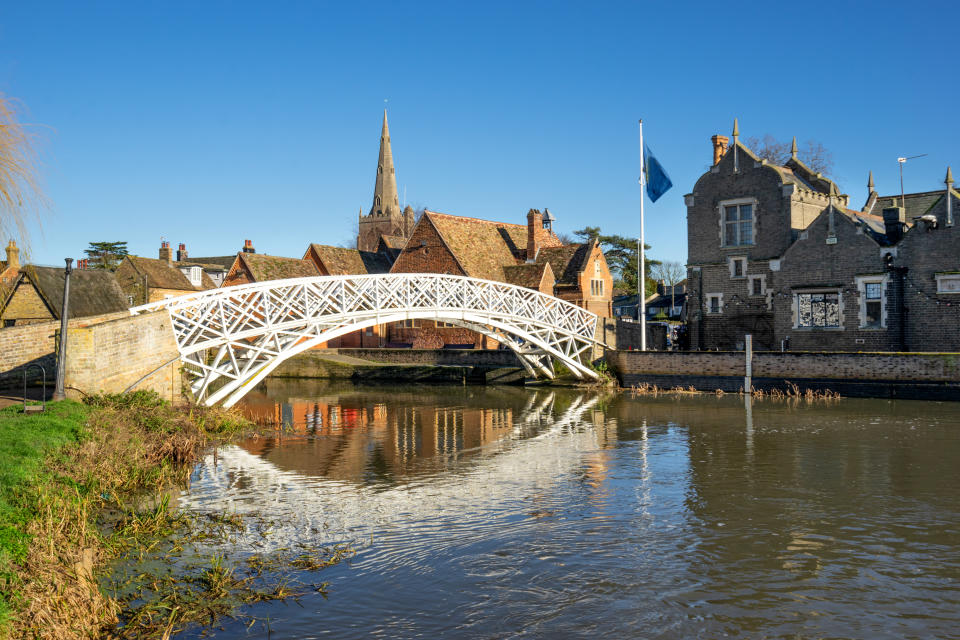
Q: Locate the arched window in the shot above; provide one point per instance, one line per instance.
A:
(379, 168)
(378, 201)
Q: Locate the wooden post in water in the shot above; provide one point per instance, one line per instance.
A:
(748, 378)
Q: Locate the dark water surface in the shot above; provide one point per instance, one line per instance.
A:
(482, 512)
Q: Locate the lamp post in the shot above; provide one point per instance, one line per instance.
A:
(58, 394)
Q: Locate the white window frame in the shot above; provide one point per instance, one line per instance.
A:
(862, 282)
(737, 202)
(763, 285)
(731, 261)
(948, 279)
(795, 304)
(707, 299)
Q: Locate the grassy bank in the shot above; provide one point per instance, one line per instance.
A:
(60, 471)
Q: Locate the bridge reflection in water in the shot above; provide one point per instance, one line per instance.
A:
(484, 512)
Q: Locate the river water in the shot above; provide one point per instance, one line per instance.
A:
(501, 512)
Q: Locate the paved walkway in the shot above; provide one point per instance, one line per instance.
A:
(9, 397)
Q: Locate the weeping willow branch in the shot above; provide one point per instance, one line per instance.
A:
(21, 193)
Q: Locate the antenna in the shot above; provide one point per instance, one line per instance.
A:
(901, 161)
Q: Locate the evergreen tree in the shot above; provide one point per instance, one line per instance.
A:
(106, 255)
(621, 255)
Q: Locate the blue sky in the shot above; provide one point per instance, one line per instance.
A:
(211, 122)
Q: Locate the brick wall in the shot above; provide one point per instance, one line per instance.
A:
(440, 357)
(920, 375)
(426, 253)
(25, 306)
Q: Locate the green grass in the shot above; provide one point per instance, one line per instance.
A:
(26, 442)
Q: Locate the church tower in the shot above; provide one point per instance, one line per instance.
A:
(385, 217)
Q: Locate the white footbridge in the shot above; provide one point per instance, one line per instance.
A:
(231, 338)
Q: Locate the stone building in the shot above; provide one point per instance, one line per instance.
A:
(146, 280)
(385, 218)
(528, 255)
(776, 251)
(37, 295)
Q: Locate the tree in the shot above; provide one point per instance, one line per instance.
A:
(812, 153)
(671, 273)
(621, 255)
(106, 255)
(20, 193)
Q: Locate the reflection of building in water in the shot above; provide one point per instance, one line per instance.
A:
(362, 437)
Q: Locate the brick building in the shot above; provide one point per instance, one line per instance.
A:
(37, 295)
(385, 218)
(528, 255)
(258, 267)
(776, 251)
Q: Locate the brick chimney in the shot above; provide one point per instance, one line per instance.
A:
(13, 255)
(719, 146)
(248, 246)
(534, 233)
(894, 219)
(181, 252)
(165, 253)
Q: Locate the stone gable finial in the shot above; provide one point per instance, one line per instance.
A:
(793, 148)
(949, 179)
(736, 129)
(870, 183)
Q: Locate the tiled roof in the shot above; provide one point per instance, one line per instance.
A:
(393, 242)
(263, 267)
(92, 291)
(567, 260)
(526, 275)
(340, 261)
(161, 275)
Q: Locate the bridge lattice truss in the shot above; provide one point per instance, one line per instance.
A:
(231, 338)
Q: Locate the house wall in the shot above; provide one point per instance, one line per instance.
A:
(932, 320)
(162, 294)
(812, 263)
(595, 269)
(25, 306)
(426, 253)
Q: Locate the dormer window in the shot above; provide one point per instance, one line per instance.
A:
(737, 222)
(195, 274)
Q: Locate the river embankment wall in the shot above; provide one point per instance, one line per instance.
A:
(105, 353)
(927, 376)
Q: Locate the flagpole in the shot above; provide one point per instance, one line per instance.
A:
(641, 260)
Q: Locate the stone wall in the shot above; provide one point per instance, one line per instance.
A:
(437, 357)
(36, 344)
(110, 356)
(105, 353)
(905, 375)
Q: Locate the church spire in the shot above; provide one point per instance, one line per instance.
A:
(385, 200)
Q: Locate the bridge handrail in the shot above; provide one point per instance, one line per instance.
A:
(189, 299)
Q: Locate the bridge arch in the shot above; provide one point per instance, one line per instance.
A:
(231, 338)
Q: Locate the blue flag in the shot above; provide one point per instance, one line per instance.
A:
(658, 182)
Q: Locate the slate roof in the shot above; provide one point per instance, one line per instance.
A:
(340, 261)
(527, 275)
(224, 262)
(161, 275)
(917, 204)
(92, 291)
(263, 267)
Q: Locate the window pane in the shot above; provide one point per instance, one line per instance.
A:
(731, 213)
(872, 314)
(746, 232)
(804, 312)
(873, 290)
(731, 234)
(757, 286)
(738, 267)
(746, 211)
